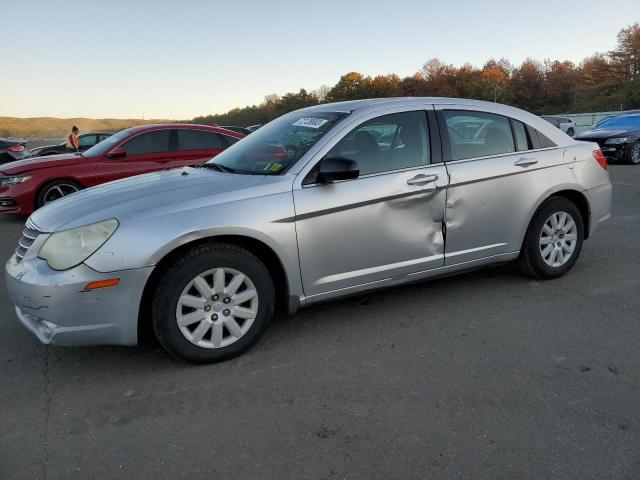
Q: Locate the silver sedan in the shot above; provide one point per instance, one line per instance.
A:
(321, 203)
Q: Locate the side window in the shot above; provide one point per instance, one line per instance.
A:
(522, 139)
(538, 139)
(545, 142)
(390, 142)
(198, 140)
(103, 137)
(228, 140)
(477, 134)
(87, 141)
(150, 142)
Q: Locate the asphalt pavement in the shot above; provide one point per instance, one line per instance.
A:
(488, 375)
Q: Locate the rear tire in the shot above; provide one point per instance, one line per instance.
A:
(633, 153)
(571, 132)
(553, 240)
(55, 190)
(203, 310)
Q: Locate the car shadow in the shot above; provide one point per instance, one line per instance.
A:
(319, 319)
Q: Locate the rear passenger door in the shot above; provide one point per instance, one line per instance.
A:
(498, 169)
(197, 146)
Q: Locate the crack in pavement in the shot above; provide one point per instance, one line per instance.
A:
(47, 410)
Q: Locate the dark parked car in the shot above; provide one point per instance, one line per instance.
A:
(12, 150)
(618, 137)
(86, 140)
(34, 182)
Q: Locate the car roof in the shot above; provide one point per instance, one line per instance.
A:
(367, 106)
(354, 105)
(183, 126)
(361, 106)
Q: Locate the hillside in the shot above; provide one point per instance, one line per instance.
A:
(50, 127)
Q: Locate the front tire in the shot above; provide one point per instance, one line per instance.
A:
(571, 132)
(553, 240)
(55, 190)
(633, 153)
(213, 303)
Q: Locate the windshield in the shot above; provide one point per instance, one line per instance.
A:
(107, 144)
(278, 145)
(627, 122)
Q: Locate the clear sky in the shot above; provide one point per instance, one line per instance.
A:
(182, 58)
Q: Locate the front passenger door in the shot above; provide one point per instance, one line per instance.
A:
(388, 222)
(144, 153)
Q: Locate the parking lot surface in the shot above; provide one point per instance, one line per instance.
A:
(488, 375)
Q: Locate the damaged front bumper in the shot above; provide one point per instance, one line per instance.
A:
(55, 306)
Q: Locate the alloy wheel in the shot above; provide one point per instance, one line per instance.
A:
(217, 308)
(635, 152)
(58, 191)
(558, 239)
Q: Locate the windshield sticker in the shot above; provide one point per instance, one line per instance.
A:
(310, 122)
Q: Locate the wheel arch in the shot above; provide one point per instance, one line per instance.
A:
(47, 182)
(570, 193)
(581, 202)
(284, 301)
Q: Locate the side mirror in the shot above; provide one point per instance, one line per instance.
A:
(333, 169)
(117, 153)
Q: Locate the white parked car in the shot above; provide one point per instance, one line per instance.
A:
(565, 124)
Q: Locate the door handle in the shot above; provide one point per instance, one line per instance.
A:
(422, 179)
(525, 162)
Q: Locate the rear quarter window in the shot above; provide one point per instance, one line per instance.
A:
(198, 140)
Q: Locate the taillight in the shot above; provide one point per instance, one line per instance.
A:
(600, 158)
(16, 148)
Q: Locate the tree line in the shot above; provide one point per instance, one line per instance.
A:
(602, 82)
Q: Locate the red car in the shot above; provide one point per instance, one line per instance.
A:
(28, 184)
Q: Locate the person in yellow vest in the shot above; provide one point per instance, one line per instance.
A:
(73, 145)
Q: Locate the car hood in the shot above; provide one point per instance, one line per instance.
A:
(593, 134)
(143, 195)
(33, 163)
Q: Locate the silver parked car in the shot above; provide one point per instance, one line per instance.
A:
(321, 203)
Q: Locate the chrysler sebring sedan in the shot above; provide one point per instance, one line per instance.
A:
(321, 203)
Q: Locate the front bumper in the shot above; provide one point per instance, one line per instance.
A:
(17, 199)
(614, 152)
(55, 307)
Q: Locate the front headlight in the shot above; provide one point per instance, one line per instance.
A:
(69, 248)
(6, 181)
(616, 141)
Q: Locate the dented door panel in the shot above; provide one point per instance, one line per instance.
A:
(370, 229)
(490, 199)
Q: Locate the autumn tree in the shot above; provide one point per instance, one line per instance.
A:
(600, 82)
(627, 53)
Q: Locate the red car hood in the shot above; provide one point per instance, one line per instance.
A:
(36, 163)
